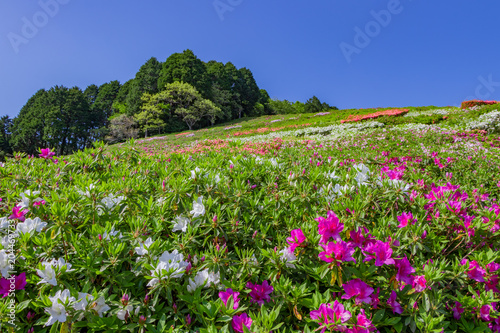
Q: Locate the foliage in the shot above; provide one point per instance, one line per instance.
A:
(390, 229)
(121, 128)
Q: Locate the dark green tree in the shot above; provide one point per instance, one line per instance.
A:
(70, 120)
(313, 105)
(28, 127)
(145, 81)
(5, 136)
(248, 90)
(108, 92)
(91, 93)
(185, 67)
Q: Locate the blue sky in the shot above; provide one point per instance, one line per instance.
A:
(417, 53)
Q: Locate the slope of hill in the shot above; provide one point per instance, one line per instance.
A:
(297, 225)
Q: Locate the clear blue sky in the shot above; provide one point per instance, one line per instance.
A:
(430, 53)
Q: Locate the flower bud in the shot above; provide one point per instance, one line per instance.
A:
(175, 308)
(142, 320)
(125, 299)
(100, 237)
(214, 219)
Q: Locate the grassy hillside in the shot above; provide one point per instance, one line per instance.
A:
(389, 224)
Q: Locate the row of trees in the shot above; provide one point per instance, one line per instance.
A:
(181, 93)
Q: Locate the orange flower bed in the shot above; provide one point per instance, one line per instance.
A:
(267, 129)
(476, 102)
(181, 134)
(393, 112)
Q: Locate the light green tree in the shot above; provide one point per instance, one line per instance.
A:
(150, 116)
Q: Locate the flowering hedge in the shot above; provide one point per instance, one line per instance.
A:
(476, 102)
(388, 230)
(393, 112)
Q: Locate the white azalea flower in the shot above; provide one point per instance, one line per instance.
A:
(361, 168)
(180, 224)
(332, 175)
(58, 311)
(274, 162)
(60, 263)
(143, 247)
(361, 178)
(198, 207)
(25, 198)
(199, 280)
(83, 301)
(217, 179)
(5, 240)
(111, 201)
(48, 274)
(287, 256)
(87, 192)
(4, 223)
(194, 172)
(170, 265)
(100, 306)
(123, 312)
(4, 264)
(203, 278)
(112, 233)
(30, 225)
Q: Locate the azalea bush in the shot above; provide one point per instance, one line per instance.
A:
(371, 229)
(394, 112)
(476, 102)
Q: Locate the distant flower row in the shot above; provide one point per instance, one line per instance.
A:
(476, 102)
(393, 112)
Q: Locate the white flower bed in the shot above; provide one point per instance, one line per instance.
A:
(489, 122)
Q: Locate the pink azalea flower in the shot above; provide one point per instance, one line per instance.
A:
(404, 271)
(492, 283)
(359, 289)
(457, 310)
(406, 218)
(380, 251)
(39, 203)
(493, 267)
(485, 312)
(357, 237)
(46, 153)
(18, 214)
(419, 283)
(225, 295)
(297, 238)
(363, 324)
(330, 227)
(239, 321)
(20, 284)
(337, 252)
(375, 299)
(476, 272)
(396, 307)
(326, 313)
(260, 293)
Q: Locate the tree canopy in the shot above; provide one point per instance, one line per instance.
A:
(182, 92)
